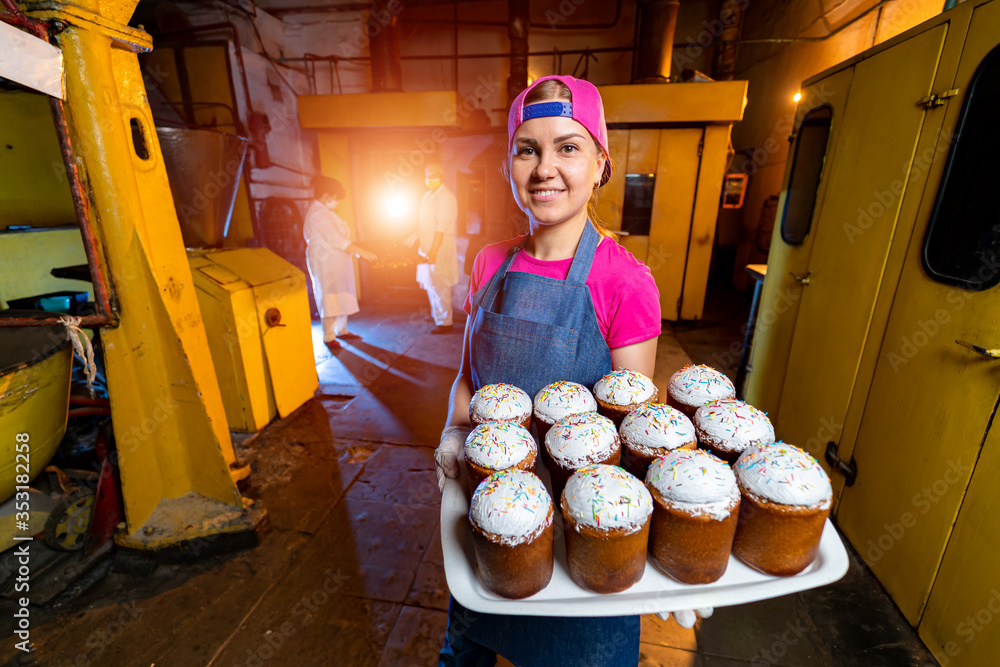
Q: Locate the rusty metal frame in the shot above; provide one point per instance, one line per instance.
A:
(105, 316)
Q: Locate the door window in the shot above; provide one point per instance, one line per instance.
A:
(962, 244)
(807, 169)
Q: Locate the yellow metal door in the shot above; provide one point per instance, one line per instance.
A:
(959, 624)
(854, 230)
(931, 402)
(677, 166)
(782, 293)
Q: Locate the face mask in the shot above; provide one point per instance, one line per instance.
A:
(331, 204)
(432, 183)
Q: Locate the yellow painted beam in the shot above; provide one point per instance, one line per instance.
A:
(170, 424)
(706, 209)
(437, 108)
(673, 200)
(718, 102)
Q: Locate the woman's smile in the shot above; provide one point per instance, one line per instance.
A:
(554, 167)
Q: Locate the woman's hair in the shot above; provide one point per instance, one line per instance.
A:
(324, 185)
(554, 89)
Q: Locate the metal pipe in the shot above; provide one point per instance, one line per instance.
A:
(535, 26)
(383, 47)
(81, 205)
(519, 12)
(105, 316)
(449, 56)
(657, 23)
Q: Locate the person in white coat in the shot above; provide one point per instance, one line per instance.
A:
(329, 256)
(437, 228)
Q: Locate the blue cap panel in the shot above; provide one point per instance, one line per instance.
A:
(544, 109)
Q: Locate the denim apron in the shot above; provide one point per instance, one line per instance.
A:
(529, 331)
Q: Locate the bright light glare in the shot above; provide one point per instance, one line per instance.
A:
(797, 96)
(395, 205)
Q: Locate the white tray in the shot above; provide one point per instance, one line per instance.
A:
(655, 592)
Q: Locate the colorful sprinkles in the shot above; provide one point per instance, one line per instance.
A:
(696, 385)
(500, 401)
(624, 387)
(606, 497)
(581, 439)
(655, 427)
(692, 476)
(499, 445)
(512, 505)
(562, 399)
(783, 474)
(733, 425)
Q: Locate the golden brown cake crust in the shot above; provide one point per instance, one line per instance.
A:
(478, 473)
(638, 463)
(560, 475)
(777, 539)
(691, 548)
(688, 410)
(517, 571)
(526, 422)
(617, 413)
(605, 561)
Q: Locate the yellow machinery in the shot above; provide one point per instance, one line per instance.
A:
(169, 419)
(256, 312)
(879, 311)
(35, 366)
(676, 136)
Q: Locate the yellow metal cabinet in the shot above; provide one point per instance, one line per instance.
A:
(852, 235)
(873, 348)
(782, 292)
(256, 313)
(936, 399)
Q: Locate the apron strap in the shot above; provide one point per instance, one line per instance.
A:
(584, 257)
(578, 270)
(494, 287)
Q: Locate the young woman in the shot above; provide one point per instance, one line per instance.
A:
(329, 255)
(564, 302)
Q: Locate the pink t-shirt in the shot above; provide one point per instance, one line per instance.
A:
(624, 293)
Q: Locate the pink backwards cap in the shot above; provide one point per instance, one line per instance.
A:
(586, 109)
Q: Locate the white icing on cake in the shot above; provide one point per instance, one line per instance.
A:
(732, 425)
(499, 445)
(783, 474)
(654, 428)
(563, 399)
(500, 402)
(606, 497)
(694, 481)
(697, 385)
(581, 439)
(513, 505)
(624, 387)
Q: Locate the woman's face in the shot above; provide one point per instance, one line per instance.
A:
(554, 166)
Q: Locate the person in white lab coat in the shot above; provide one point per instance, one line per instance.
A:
(329, 255)
(437, 227)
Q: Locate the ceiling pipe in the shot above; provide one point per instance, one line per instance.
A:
(520, 20)
(657, 23)
(383, 46)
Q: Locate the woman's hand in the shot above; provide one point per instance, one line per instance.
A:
(446, 455)
(686, 618)
(367, 255)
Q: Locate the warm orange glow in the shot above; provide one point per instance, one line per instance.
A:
(395, 205)
(797, 96)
